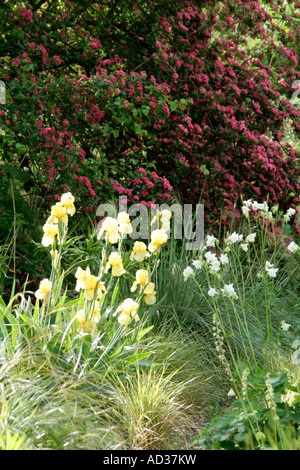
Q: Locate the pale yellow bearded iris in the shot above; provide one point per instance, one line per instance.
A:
(91, 284)
(162, 219)
(44, 290)
(93, 287)
(59, 212)
(158, 238)
(88, 324)
(110, 227)
(150, 294)
(67, 201)
(124, 223)
(128, 309)
(141, 278)
(50, 232)
(80, 276)
(139, 252)
(115, 260)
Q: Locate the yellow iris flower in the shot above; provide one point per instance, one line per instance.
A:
(59, 212)
(141, 278)
(139, 252)
(158, 238)
(150, 294)
(50, 232)
(115, 260)
(44, 290)
(67, 201)
(91, 284)
(110, 227)
(124, 223)
(128, 309)
(88, 324)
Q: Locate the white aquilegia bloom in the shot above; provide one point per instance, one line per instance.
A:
(271, 271)
(245, 211)
(251, 237)
(210, 257)
(293, 247)
(288, 214)
(224, 258)
(214, 263)
(269, 216)
(235, 237)
(197, 263)
(275, 208)
(228, 291)
(247, 203)
(188, 272)
(210, 240)
(214, 267)
(212, 292)
(256, 206)
(244, 247)
(284, 326)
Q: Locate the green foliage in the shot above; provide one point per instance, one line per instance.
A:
(266, 415)
(12, 442)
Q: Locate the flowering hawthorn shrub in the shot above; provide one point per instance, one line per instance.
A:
(195, 93)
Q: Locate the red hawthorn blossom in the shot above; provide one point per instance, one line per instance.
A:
(172, 88)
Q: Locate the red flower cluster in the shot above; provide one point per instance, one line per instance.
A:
(153, 99)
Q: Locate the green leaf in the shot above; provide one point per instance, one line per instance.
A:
(137, 357)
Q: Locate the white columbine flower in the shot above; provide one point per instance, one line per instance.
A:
(228, 291)
(288, 214)
(235, 237)
(251, 237)
(272, 272)
(212, 292)
(284, 326)
(293, 247)
(245, 211)
(247, 203)
(269, 216)
(245, 247)
(210, 240)
(224, 259)
(211, 257)
(188, 272)
(214, 267)
(256, 206)
(197, 263)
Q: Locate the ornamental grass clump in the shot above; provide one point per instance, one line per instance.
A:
(149, 408)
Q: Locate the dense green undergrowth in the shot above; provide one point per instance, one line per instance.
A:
(154, 346)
